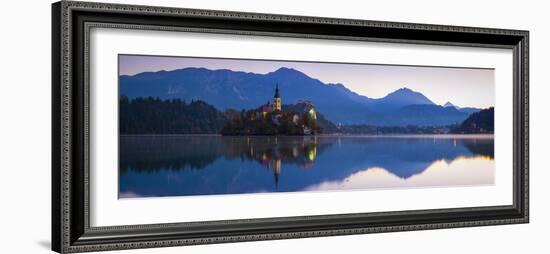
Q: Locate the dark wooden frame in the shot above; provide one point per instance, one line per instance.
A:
(71, 22)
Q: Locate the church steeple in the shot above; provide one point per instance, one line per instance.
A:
(277, 105)
(277, 91)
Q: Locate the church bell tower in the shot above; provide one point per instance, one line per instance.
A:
(277, 99)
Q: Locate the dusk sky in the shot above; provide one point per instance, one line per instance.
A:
(464, 87)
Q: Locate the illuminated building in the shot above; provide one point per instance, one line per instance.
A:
(277, 104)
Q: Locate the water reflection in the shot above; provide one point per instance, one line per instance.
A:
(202, 165)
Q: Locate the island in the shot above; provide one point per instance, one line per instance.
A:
(274, 119)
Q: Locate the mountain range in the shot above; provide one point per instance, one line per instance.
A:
(227, 89)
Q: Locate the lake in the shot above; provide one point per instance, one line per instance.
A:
(156, 166)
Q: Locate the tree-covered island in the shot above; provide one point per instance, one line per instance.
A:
(274, 119)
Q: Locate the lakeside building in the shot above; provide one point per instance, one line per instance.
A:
(275, 110)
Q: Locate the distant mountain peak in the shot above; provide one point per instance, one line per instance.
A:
(407, 93)
(288, 72)
(286, 69)
(449, 104)
(399, 98)
(191, 69)
(403, 91)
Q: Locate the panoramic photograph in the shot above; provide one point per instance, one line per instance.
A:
(213, 126)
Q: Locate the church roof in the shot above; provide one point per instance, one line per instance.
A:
(266, 108)
(277, 91)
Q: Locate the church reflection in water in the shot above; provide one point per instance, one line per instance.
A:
(204, 165)
(269, 152)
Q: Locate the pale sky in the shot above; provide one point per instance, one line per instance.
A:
(464, 87)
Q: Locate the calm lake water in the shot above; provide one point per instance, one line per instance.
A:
(154, 166)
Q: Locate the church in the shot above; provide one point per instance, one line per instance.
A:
(295, 113)
(275, 107)
(271, 119)
(277, 99)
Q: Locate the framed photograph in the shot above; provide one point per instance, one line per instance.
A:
(181, 126)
